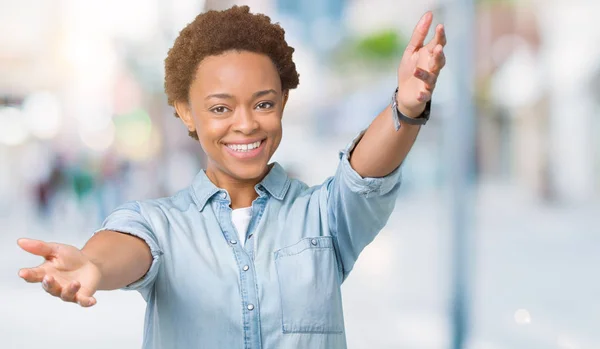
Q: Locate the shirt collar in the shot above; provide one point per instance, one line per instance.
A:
(276, 183)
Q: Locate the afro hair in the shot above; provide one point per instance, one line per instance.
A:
(214, 32)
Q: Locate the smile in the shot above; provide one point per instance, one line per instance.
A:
(242, 148)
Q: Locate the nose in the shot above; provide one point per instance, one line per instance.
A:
(244, 121)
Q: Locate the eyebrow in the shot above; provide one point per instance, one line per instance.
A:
(263, 93)
(254, 95)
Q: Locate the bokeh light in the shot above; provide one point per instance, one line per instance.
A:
(43, 115)
(134, 131)
(13, 130)
(522, 317)
(98, 139)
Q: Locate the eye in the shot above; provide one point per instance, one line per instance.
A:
(219, 110)
(265, 105)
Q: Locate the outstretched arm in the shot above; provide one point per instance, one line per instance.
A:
(109, 260)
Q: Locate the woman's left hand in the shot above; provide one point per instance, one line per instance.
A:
(420, 67)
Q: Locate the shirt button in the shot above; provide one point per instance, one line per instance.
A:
(246, 268)
(313, 242)
(233, 242)
(250, 306)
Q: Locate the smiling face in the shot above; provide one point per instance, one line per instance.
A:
(235, 105)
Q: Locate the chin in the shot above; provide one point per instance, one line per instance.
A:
(248, 172)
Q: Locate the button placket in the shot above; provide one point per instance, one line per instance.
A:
(243, 260)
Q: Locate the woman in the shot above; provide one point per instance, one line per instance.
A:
(246, 257)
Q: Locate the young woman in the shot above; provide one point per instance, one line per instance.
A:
(246, 257)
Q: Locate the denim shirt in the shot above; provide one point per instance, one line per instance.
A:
(282, 289)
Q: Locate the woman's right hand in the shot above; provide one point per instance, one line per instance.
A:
(66, 273)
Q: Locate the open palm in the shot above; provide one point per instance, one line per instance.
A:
(419, 68)
(66, 273)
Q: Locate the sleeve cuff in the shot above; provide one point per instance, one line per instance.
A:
(127, 219)
(367, 186)
(154, 250)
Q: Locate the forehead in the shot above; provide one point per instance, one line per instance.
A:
(236, 71)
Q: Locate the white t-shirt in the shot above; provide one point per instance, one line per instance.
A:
(241, 219)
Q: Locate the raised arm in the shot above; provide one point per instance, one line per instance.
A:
(382, 149)
(362, 194)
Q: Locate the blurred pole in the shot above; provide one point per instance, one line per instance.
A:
(460, 156)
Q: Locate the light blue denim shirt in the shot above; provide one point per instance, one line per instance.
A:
(204, 290)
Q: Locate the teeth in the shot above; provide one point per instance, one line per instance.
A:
(244, 147)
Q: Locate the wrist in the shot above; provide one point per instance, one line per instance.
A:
(94, 263)
(411, 113)
(418, 115)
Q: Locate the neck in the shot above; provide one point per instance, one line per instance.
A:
(241, 192)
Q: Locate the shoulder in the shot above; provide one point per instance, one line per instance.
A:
(299, 189)
(180, 201)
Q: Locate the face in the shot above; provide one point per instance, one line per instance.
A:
(235, 105)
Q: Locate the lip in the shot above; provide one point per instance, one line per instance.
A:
(247, 154)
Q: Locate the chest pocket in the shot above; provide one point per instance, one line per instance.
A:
(309, 285)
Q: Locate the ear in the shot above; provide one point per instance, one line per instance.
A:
(185, 114)
(286, 94)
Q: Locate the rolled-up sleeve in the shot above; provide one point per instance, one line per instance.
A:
(128, 219)
(358, 207)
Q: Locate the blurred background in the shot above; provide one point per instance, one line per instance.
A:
(495, 237)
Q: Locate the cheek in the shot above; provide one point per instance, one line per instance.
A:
(273, 125)
(210, 134)
(275, 132)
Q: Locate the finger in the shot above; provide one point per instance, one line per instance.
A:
(440, 34)
(438, 39)
(36, 247)
(84, 301)
(428, 78)
(32, 274)
(68, 293)
(424, 96)
(438, 61)
(420, 33)
(51, 286)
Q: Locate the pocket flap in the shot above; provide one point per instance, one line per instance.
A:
(304, 244)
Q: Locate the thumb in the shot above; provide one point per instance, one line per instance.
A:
(37, 247)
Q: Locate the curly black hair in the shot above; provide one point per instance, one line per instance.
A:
(214, 32)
